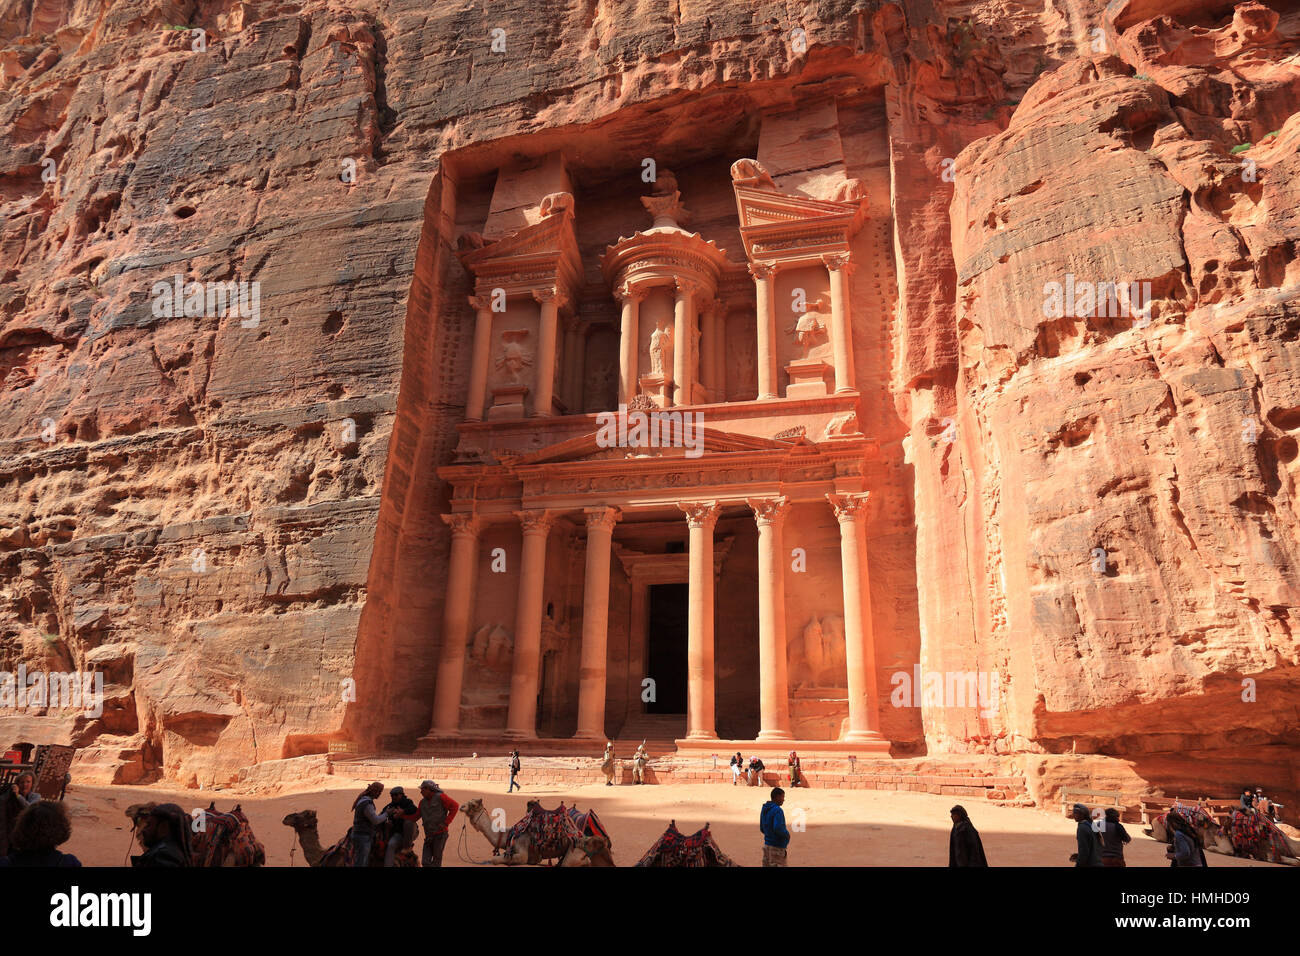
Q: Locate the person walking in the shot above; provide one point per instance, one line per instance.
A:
(1113, 838)
(776, 838)
(514, 772)
(437, 810)
(1089, 847)
(964, 845)
(366, 821)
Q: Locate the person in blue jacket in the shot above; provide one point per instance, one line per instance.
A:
(771, 820)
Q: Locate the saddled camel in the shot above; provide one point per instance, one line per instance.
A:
(216, 839)
(572, 850)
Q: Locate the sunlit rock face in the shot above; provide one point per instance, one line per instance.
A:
(235, 511)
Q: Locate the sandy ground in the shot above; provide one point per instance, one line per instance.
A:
(843, 827)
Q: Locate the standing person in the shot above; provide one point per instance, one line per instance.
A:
(1113, 838)
(26, 784)
(39, 832)
(639, 760)
(776, 838)
(755, 771)
(607, 764)
(165, 836)
(1184, 843)
(737, 767)
(514, 772)
(796, 771)
(365, 823)
(1089, 852)
(964, 845)
(402, 815)
(437, 810)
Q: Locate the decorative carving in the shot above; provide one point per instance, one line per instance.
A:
(816, 656)
(798, 431)
(762, 270)
(556, 203)
(836, 261)
(769, 511)
(848, 507)
(686, 288)
(628, 291)
(515, 356)
(811, 327)
(551, 294)
(851, 190)
(602, 519)
(751, 173)
(665, 203)
(480, 303)
(463, 524)
(701, 514)
(642, 402)
(536, 522)
(661, 350)
(492, 648)
(842, 425)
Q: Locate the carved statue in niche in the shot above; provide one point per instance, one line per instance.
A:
(842, 425)
(556, 203)
(816, 657)
(492, 648)
(742, 366)
(661, 351)
(665, 202)
(602, 382)
(810, 330)
(515, 356)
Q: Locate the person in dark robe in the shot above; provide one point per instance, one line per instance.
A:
(964, 846)
(165, 835)
(1089, 844)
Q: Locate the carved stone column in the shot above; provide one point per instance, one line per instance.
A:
(478, 367)
(573, 366)
(841, 322)
(859, 649)
(774, 682)
(455, 622)
(683, 341)
(763, 274)
(595, 623)
(521, 720)
(627, 350)
(701, 516)
(548, 329)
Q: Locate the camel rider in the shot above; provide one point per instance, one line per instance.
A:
(607, 764)
(437, 810)
(639, 760)
(1247, 799)
(402, 816)
(366, 822)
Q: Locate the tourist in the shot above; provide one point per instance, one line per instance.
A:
(737, 767)
(771, 821)
(1089, 852)
(165, 835)
(436, 811)
(964, 845)
(639, 761)
(366, 822)
(1247, 799)
(514, 772)
(796, 771)
(26, 788)
(755, 771)
(1185, 847)
(1113, 838)
(607, 764)
(402, 815)
(41, 829)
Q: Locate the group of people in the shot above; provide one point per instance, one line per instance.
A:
(396, 826)
(1256, 801)
(1101, 843)
(609, 764)
(753, 770)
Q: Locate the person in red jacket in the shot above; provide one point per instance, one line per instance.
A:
(437, 810)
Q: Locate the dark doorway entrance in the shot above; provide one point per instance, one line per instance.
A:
(666, 654)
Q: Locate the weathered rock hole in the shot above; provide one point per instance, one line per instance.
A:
(184, 212)
(333, 322)
(1287, 449)
(1082, 378)
(1287, 419)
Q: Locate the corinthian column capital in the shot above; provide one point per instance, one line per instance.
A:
(602, 518)
(480, 303)
(769, 511)
(463, 524)
(551, 295)
(762, 270)
(536, 522)
(701, 514)
(835, 261)
(627, 291)
(848, 507)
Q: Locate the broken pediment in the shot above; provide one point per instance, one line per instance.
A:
(781, 226)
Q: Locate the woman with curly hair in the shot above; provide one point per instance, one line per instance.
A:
(40, 830)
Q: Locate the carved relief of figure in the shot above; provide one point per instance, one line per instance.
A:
(840, 425)
(751, 171)
(810, 330)
(816, 657)
(514, 356)
(851, 190)
(492, 648)
(661, 351)
(556, 203)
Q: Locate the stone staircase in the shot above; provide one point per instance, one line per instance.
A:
(653, 728)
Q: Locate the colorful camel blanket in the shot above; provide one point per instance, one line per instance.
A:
(551, 832)
(1196, 816)
(1255, 835)
(674, 849)
(226, 840)
(589, 824)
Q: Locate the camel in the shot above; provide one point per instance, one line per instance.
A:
(578, 851)
(1218, 839)
(224, 839)
(304, 825)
